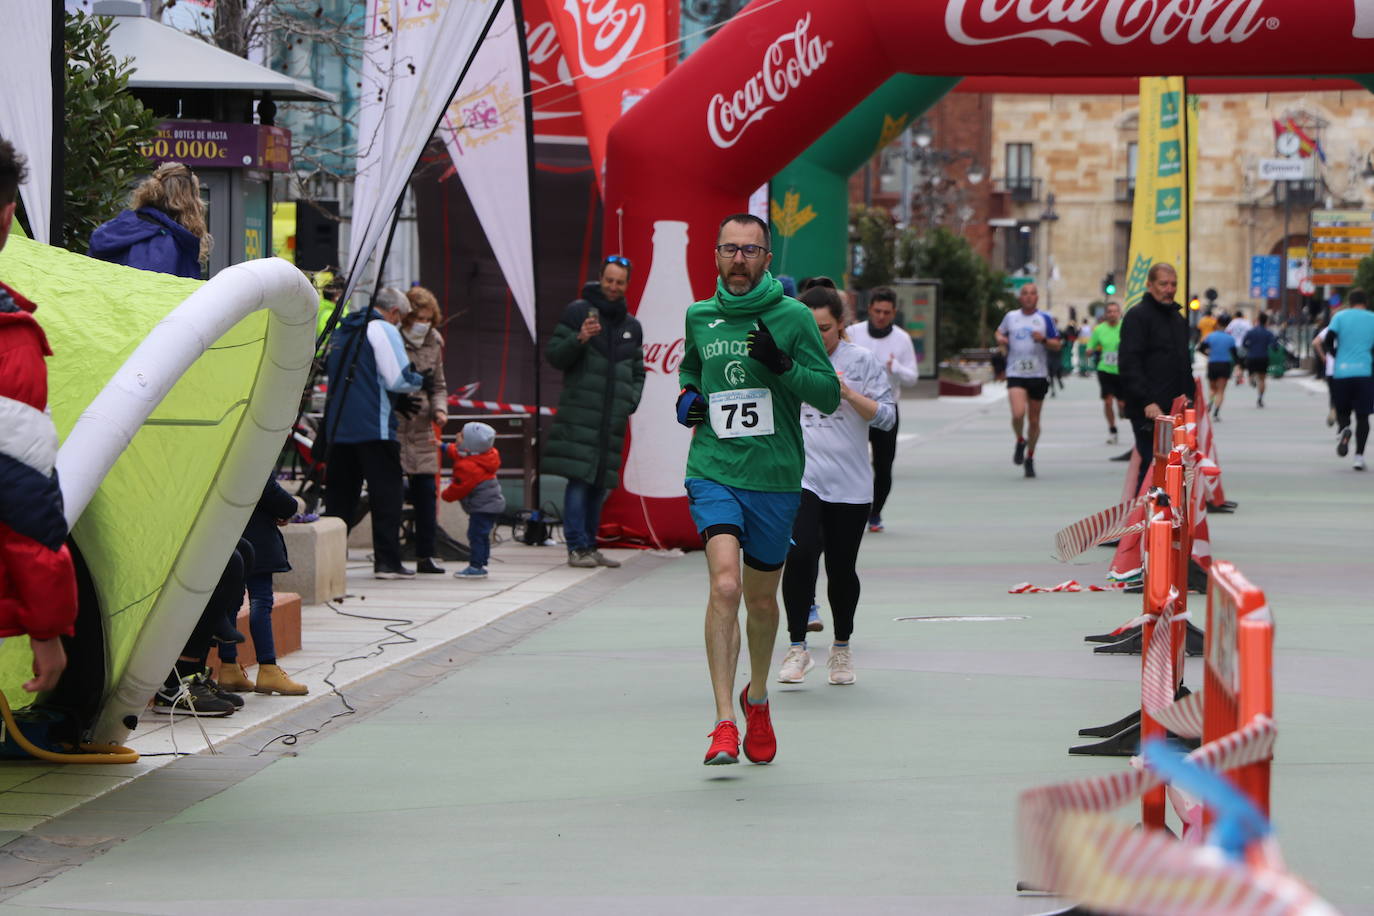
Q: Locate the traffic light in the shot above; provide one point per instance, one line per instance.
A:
(1109, 284)
(1194, 303)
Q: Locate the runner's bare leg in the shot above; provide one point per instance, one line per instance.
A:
(761, 607)
(722, 620)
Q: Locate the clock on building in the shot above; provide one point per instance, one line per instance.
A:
(1288, 144)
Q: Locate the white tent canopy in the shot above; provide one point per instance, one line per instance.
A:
(165, 58)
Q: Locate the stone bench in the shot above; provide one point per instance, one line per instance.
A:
(286, 630)
(318, 552)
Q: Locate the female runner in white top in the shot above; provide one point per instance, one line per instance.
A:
(837, 490)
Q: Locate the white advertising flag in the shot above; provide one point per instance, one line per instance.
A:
(414, 54)
(26, 103)
(485, 132)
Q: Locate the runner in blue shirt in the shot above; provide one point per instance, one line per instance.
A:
(1351, 337)
(1218, 345)
(1257, 342)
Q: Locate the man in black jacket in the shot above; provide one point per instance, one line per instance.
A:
(1155, 366)
(600, 348)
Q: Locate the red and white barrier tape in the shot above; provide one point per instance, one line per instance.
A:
(1068, 585)
(1107, 525)
(1157, 680)
(1070, 846)
(501, 406)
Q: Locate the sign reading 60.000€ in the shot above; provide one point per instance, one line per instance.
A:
(210, 144)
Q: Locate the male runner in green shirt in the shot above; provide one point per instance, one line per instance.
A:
(751, 357)
(1105, 342)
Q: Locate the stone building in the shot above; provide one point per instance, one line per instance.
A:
(1081, 149)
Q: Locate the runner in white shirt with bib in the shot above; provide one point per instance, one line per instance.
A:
(1028, 336)
(837, 487)
(892, 348)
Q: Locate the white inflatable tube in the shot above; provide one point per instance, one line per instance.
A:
(107, 426)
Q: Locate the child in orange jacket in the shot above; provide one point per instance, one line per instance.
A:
(475, 463)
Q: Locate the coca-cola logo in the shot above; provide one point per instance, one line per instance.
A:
(611, 32)
(1117, 22)
(791, 58)
(664, 357)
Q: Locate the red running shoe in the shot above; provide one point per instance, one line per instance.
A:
(724, 744)
(760, 744)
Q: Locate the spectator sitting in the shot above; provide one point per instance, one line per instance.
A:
(163, 229)
(263, 532)
(189, 690)
(475, 463)
(37, 579)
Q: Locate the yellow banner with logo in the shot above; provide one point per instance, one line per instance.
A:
(1166, 166)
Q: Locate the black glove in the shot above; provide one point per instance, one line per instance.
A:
(764, 348)
(407, 405)
(427, 381)
(691, 407)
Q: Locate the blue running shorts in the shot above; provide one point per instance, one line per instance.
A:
(761, 520)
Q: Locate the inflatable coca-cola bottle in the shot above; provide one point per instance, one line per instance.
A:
(658, 444)
(1364, 19)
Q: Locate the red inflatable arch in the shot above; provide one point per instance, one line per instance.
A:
(783, 71)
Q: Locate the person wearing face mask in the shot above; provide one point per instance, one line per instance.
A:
(416, 432)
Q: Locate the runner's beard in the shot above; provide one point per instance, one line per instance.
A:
(739, 282)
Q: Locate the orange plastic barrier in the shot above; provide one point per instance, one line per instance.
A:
(1239, 662)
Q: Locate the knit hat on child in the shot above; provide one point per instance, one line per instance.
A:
(477, 438)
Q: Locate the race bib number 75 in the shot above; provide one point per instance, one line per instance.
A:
(742, 412)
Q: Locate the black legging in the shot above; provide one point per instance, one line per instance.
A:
(421, 495)
(884, 444)
(834, 529)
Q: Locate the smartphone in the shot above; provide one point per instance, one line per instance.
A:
(594, 314)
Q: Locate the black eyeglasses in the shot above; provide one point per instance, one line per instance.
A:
(617, 259)
(728, 251)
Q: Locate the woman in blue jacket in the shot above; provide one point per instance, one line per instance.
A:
(163, 229)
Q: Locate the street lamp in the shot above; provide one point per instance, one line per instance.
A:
(1049, 217)
(926, 174)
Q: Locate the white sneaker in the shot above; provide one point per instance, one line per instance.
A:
(795, 665)
(841, 666)
(1359, 462)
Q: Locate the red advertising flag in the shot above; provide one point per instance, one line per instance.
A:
(616, 50)
(557, 112)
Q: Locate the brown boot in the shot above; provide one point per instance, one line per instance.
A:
(271, 679)
(232, 678)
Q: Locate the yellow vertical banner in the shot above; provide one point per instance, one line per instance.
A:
(1166, 166)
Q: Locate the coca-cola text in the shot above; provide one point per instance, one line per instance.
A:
(791, 57)
(1117, 22)
(663, 357)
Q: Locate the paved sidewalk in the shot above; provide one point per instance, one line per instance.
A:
(552, 763)
(343, 643)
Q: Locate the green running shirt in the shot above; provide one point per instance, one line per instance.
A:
(1109, 339)
(754, 438)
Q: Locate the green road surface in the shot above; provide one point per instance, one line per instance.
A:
(562, 773)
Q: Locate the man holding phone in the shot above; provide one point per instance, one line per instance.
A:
(599, 347)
